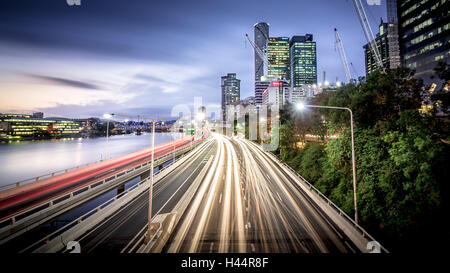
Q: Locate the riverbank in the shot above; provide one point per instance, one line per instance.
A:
(21, 160)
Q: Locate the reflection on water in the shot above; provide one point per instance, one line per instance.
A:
(27, 159)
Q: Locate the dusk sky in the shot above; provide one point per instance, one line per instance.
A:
(143, 56)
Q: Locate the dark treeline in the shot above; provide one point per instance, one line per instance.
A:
(401, 155)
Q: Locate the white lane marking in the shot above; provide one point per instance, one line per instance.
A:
(132, 240)
(351, 248)
(253, 247)
(279, 197)
(220, 198)
(249, 225)
(211, 247)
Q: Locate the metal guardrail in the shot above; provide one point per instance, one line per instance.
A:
(363, 232)
(31, 212)
(83, 217)
(97, 209)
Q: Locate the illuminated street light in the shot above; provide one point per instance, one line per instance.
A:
(201, 116)
(301, 106)
(338, 84)
(326, 83)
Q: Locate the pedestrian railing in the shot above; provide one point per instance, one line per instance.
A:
(82, 218)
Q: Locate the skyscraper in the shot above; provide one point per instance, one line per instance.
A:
(260, 86)
(303, 60)
(278, 57)
(231, 90)
(261, 39)
(424, 31)
(388, 48)
(391, 7)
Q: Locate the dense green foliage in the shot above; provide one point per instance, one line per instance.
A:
(401, 157)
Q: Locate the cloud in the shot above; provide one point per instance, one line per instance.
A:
(113, 54)
(67, 82)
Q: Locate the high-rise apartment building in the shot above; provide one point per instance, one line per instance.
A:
(276, 93)
(278, 57)
(260, 86)
(303, 60)
(424, 34)
(231, 90)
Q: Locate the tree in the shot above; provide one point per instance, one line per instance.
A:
(441, 96)
(401, 156)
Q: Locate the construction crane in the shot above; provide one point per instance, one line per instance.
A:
(263, 57)
(368, 32)
(354, 70)
(343, 56)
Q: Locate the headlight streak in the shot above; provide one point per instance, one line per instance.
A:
(247, 203)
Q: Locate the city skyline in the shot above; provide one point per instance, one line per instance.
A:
(212, 127)
(99, 57)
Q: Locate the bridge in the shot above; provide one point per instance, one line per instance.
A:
(213, 194)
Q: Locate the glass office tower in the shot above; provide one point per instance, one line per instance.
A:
(303, 60)
(424, 32)
(388, 48)
(278, 56)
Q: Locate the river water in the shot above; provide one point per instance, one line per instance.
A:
(27, 159)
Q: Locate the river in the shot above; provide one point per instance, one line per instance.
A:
(27, 159)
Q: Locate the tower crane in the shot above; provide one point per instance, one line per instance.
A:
(362, 16)
(263, 57)
(354, 70)
(343, 56)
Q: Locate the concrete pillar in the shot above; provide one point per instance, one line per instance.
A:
(145, 175)
(120, 189)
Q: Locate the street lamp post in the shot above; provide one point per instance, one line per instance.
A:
(193, 127)
(150, 191)
(107, 139)
(301, 106)
(174, 137)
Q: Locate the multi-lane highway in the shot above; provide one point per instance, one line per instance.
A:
(242, 200)
(248, 203)
(124, 230)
